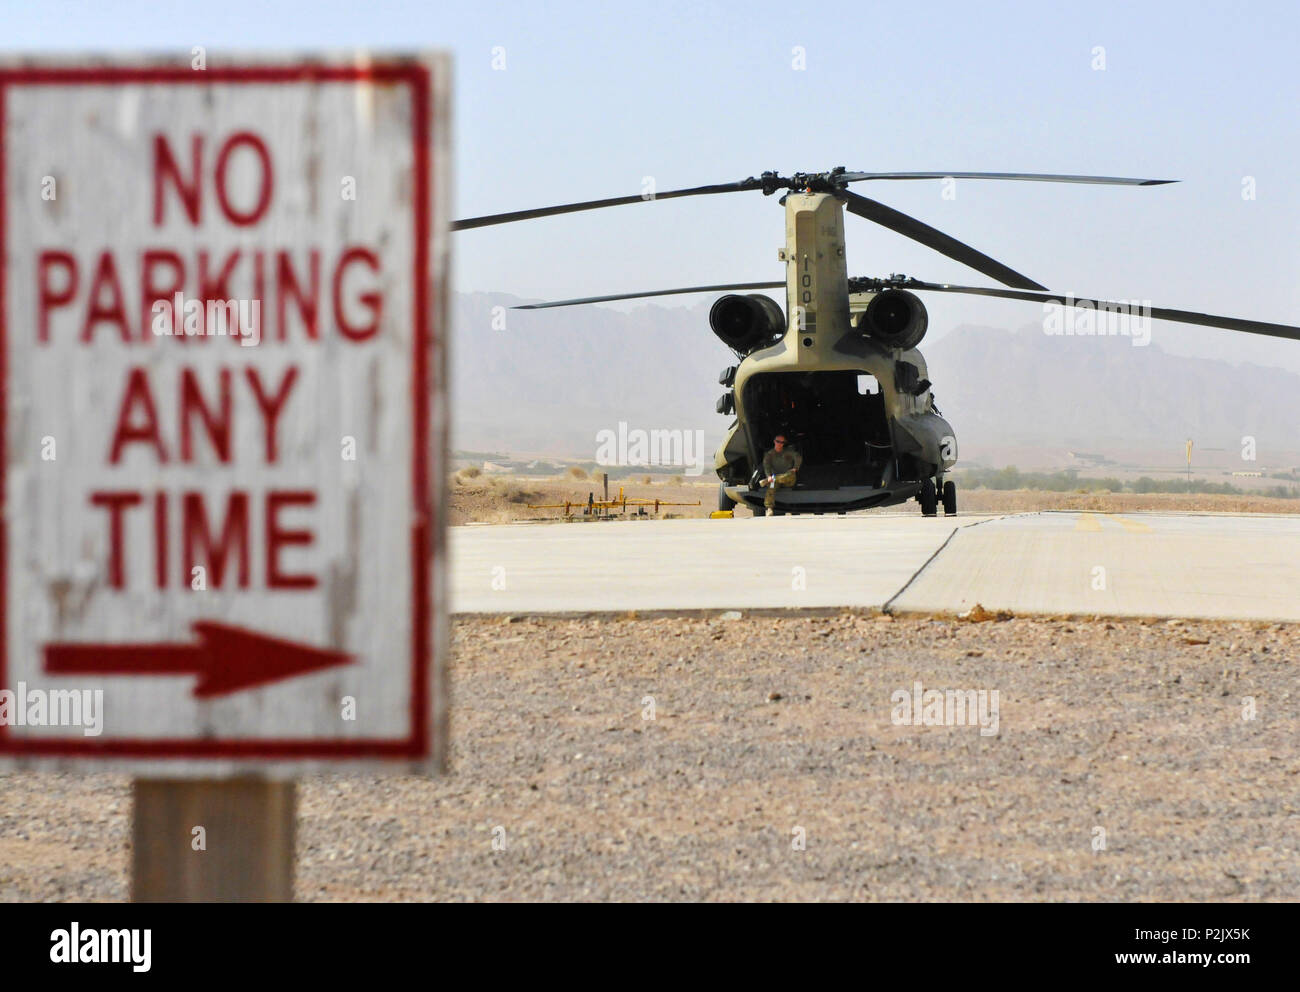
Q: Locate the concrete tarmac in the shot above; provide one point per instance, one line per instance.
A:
(1213, 566)
(742, 563)
(1140, 564)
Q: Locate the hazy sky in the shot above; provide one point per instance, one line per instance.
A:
(594, 97)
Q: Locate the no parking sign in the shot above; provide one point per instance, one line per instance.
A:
(221, 302)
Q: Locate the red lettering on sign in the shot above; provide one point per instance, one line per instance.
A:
(160, 539)
(237, 217)
(164, 166)
(50, 297)
(116, 503)
(271, 407)
(286, 285)
(152, 291)
(211, 547)
(192, 402)
(374, 301)
(275, 538)
(214, 289)
(234, 536)
(356, 302)
(166, 171)
(115, 310)
(137, 393)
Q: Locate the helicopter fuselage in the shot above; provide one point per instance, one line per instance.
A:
(859, 411)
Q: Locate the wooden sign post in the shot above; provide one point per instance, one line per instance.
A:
(224, 425)
(254, 818)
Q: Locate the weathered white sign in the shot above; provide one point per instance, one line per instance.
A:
(221, 300)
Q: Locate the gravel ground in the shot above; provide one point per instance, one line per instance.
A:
(767, 729)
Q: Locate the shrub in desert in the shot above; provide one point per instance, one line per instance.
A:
(470, 472)
(518, 494)
(646, 480)
(577, 472)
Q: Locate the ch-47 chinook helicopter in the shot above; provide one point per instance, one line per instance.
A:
(838, 372)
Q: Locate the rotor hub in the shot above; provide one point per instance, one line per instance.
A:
(802, 182)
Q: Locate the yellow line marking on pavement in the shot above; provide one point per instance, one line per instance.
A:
(1133, 526)
(1088, 522)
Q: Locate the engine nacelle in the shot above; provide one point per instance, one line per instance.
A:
(745, 323)
(895, 318)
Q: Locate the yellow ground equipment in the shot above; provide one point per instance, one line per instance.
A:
(609, 508)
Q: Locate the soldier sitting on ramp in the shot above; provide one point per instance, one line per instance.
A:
(779, 468)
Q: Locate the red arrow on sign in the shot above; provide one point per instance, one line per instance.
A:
(226, 659)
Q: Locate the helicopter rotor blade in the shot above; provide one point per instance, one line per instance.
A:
(1038, 177)
(770, 182)
(910, 227)
(660, 292)
(1159, 313)
(569, 208)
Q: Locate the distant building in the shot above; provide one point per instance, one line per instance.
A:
(1091, 458)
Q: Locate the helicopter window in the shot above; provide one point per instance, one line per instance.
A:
(868, 385)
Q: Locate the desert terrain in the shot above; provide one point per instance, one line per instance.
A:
(503, 498)
(758, 758)
(748, 756)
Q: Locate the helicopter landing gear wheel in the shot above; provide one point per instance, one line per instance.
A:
(950, 499)
(928, 498)
(725, 502)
